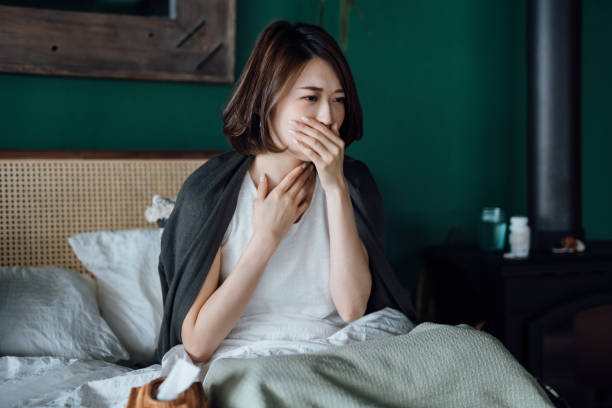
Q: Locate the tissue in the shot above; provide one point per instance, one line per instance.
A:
(182, 375)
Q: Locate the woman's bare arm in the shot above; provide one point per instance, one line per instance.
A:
(216, 311)
(350, 280)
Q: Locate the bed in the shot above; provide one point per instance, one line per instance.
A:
(80, 307)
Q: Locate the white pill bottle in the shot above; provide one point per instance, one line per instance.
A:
(520, 235)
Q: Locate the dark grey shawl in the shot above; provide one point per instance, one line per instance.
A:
(204, 208)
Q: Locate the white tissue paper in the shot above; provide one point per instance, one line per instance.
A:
(182, 375)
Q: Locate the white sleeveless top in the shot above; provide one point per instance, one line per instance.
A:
(292, 299)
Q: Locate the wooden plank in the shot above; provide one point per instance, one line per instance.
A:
(197, 46)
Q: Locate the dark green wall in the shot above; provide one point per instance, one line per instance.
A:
(442, 85)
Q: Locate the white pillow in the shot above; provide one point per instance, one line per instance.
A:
(129, 291)
(52, 311)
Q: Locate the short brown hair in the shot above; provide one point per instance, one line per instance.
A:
(280, 53)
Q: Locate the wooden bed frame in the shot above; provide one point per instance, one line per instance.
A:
(47, 196)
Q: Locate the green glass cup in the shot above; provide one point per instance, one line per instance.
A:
(492, 229)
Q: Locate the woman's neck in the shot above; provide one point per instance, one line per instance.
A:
(275, 165)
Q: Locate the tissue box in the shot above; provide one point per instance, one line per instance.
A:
(144, 397)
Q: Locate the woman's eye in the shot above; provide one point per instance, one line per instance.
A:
(313, 98)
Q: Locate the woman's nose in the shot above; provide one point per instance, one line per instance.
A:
(324, 114)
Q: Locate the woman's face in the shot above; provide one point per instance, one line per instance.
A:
(317, 94)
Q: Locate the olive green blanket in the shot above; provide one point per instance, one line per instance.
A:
(431, 366)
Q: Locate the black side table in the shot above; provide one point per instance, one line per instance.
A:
(524, 303)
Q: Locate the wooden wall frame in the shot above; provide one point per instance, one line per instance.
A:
(196, 46)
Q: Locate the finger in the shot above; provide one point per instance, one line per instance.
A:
(313, 181)
(290, 178)
(308, 152)
(330, 134)
(262, 188)
(300, 181)
(316, 146)
(318, 134)
(305, 192)
(305, 201)
(302, 207)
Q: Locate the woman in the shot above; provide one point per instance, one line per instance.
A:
(290, 230)
(277, 248)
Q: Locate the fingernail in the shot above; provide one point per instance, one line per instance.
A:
(304, 165)
(305, 119)
(292, 131)
(261, 179)
(292, 122)
(295, 141)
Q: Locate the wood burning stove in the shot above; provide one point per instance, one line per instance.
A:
(553, 121)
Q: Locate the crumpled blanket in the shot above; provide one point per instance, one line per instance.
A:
(432, 366)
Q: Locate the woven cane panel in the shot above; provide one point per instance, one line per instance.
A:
(43, 202)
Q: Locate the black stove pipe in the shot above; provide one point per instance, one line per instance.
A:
(554, 189)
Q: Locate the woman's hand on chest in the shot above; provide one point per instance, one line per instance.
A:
(274, 212)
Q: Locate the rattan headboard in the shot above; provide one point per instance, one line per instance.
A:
(45, 197)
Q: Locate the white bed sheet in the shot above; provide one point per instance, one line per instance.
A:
(55, 382)
(46, 381)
